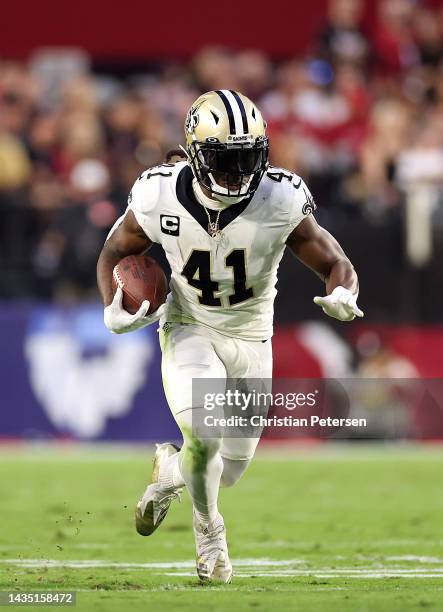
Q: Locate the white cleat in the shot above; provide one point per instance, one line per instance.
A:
(212, 551)
(154, 504)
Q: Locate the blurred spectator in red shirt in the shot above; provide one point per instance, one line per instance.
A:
(395, 46)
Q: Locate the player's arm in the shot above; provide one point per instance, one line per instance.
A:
(319, 251)
(127, 238)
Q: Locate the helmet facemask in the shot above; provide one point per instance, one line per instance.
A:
(229, 173)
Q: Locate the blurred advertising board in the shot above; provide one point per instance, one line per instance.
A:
(64, 376)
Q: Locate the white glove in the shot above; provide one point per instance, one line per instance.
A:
(119, 321)
(340, 304)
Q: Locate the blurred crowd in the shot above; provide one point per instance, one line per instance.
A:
(360, 116)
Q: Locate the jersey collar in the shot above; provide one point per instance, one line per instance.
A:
(186, 197)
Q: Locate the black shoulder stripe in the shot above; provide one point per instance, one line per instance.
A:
(242, 111)
(228, 110)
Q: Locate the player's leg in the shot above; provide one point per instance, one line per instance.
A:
(246, 361)
(187, 354)
(200, 465)
(233, 470)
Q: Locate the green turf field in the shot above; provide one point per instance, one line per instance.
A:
(329, 529)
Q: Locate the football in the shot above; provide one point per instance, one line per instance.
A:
(141, 278)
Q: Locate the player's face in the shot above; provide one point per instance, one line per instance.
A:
(232, 169)
(233, 182)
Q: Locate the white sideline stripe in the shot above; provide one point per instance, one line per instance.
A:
(244, 568)
(159, 565)
(313, 574)
(231, 588)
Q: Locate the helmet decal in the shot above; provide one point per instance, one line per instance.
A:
(192, 118)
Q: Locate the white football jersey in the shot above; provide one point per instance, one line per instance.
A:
(227, 282)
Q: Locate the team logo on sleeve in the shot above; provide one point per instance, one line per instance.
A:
(170, 224)
(309, 206)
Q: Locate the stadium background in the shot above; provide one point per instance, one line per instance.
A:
(89, 97)
(91, 93)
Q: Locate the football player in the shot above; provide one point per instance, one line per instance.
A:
(224, 218)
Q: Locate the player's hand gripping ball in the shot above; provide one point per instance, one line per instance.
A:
(140, 293)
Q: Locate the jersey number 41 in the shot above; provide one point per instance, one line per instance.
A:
(197, 271)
